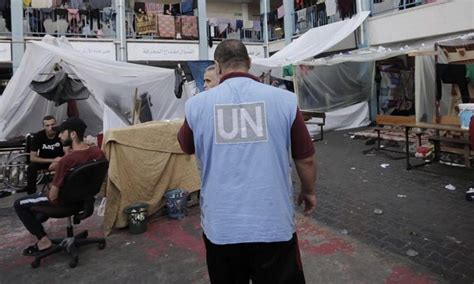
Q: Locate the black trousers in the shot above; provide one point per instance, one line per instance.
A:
(32, 175)
(32, 221)
(278, 262)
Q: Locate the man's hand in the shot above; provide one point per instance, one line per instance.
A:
(309, 202)
(53, 193)
(54, 164)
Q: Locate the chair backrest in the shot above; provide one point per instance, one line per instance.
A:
(28, 141)
(84, 181)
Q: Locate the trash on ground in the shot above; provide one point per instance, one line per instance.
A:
(450, 187)
(353, 136)
(470, 194)
(378, 211)
(365, 180)
(453, 239)
(426, 239)
(401, 196)
(353, 168)
(385, 165)
(344, 232)
(412, 252)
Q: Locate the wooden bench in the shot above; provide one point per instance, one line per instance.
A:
(448, 124)
(462, 141)
(307, 115)
(390, 123)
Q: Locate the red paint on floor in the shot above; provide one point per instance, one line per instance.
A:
(402, 275)
(314, 240)
(173, 232)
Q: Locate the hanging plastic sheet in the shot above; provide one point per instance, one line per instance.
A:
(198, 68)
(425, 87)
(326, 88)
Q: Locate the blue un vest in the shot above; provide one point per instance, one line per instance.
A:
(242, 139)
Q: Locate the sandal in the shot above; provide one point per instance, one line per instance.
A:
(4, 193)
(33, 250)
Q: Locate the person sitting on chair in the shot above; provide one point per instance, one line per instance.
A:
(71, 133)
(45, 148)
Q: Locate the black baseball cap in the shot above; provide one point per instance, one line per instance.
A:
(73, 124)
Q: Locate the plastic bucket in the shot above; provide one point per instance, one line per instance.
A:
(137, 217)
(465, 113)
(176, 203)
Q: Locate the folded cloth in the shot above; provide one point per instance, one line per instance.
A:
(281, 12)
(189, 26)
(166, 26)
(186, 6)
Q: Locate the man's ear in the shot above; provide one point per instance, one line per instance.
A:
(218, 68)
(73, 134)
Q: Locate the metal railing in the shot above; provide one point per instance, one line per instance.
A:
(4, 32)
(70, 23)
(384, 6)
(314, 16)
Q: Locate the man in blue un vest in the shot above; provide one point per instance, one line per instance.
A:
(244, 134)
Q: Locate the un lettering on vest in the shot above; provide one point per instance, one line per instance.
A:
(51, 147)
(240, 123)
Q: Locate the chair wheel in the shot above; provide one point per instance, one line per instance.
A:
(73, 262)
(36, 263)
(102, 245)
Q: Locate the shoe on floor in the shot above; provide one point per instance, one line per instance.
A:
(4, 193)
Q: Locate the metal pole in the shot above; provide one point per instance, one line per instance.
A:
(288, 20)
(203, 37)
(121, 32)
(265, 26)
(361, 36)
(18, 40)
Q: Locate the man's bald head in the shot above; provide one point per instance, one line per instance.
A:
(231, 55)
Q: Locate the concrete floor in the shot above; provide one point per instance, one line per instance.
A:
(334, 248)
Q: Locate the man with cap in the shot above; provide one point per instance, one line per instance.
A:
(71, 132)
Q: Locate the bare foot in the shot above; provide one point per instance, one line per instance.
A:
(44, 243)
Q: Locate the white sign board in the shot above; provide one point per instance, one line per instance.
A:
(255, 51)
(5, 52)
(146, 51)
(105, 50)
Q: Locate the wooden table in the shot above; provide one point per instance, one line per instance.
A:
(434, 126)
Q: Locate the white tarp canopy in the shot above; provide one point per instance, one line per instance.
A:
(321, 87)
(313, 42)
(111, 83)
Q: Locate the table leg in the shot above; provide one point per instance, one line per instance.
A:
(437, 150)
(378, 139)
(467, 151)
(407, 147)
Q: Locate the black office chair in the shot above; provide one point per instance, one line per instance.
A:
(81, 185)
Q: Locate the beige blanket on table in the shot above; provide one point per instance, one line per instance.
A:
(145, 161)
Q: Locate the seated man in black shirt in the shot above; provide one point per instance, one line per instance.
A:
(46, 147)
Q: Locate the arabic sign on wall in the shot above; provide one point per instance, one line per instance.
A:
(142, 51)
(255, 51)
(105, 50)
(5, 52)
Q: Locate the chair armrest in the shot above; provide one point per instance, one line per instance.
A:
(88, 209)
